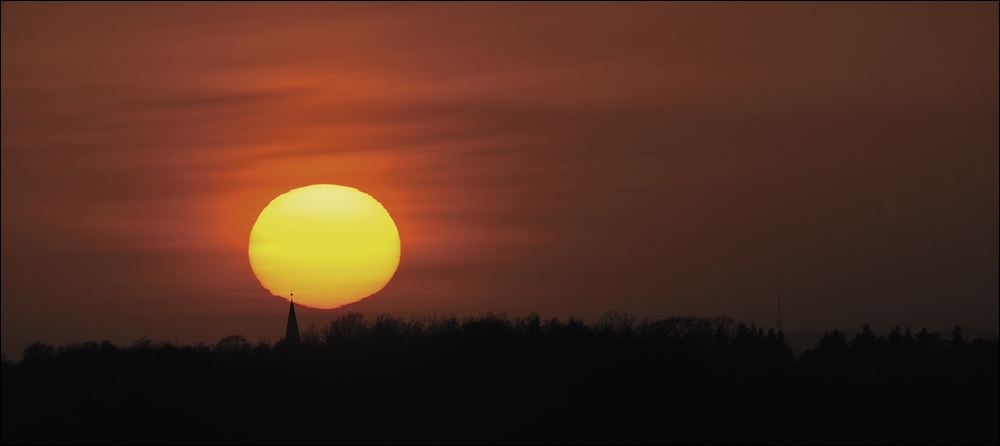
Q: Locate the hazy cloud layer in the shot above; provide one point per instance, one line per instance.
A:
(559, 158)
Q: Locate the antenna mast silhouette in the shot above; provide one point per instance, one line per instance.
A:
(779, 309)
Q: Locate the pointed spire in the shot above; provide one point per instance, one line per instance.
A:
(292, 331)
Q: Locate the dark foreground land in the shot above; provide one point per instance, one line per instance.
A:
(494, 380)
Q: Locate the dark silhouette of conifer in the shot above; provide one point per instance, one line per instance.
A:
(895, 339)
(866, 346)
(924, 341)
(957, 342)
(832, 344)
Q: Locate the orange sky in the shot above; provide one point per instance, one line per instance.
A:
(567, 159)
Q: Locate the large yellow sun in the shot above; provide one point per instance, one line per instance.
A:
(330, 245)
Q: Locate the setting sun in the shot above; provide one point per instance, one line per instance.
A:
(329, 245)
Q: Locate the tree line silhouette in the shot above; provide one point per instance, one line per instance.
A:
(492, 379)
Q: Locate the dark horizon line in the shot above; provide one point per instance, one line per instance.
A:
(612, 321)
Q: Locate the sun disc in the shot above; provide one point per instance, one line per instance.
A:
(330, 245)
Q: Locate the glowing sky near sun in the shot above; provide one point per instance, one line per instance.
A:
(565, 159)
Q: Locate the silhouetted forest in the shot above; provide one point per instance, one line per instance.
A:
(493, 379)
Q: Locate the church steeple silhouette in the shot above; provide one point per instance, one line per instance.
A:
(292, 330)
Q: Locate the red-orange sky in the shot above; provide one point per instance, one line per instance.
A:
(566, 159)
